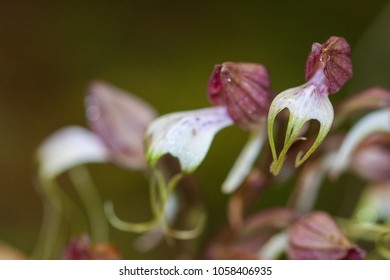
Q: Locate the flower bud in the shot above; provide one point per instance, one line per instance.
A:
(244, 88)
(83, 249)
(328, 67)
(317, 237)
(185, 135)
(333, 58)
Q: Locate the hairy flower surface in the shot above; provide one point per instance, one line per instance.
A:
(328, 67)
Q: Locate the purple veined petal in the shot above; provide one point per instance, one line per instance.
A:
(120, 119)
(185, 135)
(373, 122)
(244, 88)
(67, 148)
(333, 57)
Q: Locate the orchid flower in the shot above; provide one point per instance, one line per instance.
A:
(317, 236)
(118, 121)
(241, 95)
(328, 67)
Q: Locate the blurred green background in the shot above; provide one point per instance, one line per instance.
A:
(163, 51)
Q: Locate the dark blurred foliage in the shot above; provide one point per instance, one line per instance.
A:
(164, 52)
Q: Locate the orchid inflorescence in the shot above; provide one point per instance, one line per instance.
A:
(168, 149)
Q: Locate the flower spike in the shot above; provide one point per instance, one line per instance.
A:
(327, 69)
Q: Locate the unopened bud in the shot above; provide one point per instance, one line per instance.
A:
(244, 88)
(333, 57)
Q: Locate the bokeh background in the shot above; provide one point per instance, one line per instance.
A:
(163, 51)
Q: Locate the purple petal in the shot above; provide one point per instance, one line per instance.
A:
(120, 120)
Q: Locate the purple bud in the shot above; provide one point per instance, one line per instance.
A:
(120, 120)
(371, 159)
(333, 58)
(317, 237)
(244, 88)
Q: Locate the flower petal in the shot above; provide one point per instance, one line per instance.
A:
(185, 135)
(67, 148)
(333, 57)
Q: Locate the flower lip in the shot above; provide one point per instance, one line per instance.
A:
(304, 103)
(333, 58)
(244, 88)
(185, 135)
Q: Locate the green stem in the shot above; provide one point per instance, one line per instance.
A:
(51, 220)
(84, 185)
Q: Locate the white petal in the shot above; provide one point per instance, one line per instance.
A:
(306, 104)
(67, 148)
(245, 160)
(373, 122)
(186, 135)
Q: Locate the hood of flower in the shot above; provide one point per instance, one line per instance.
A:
(333, 57)
(244, 88)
